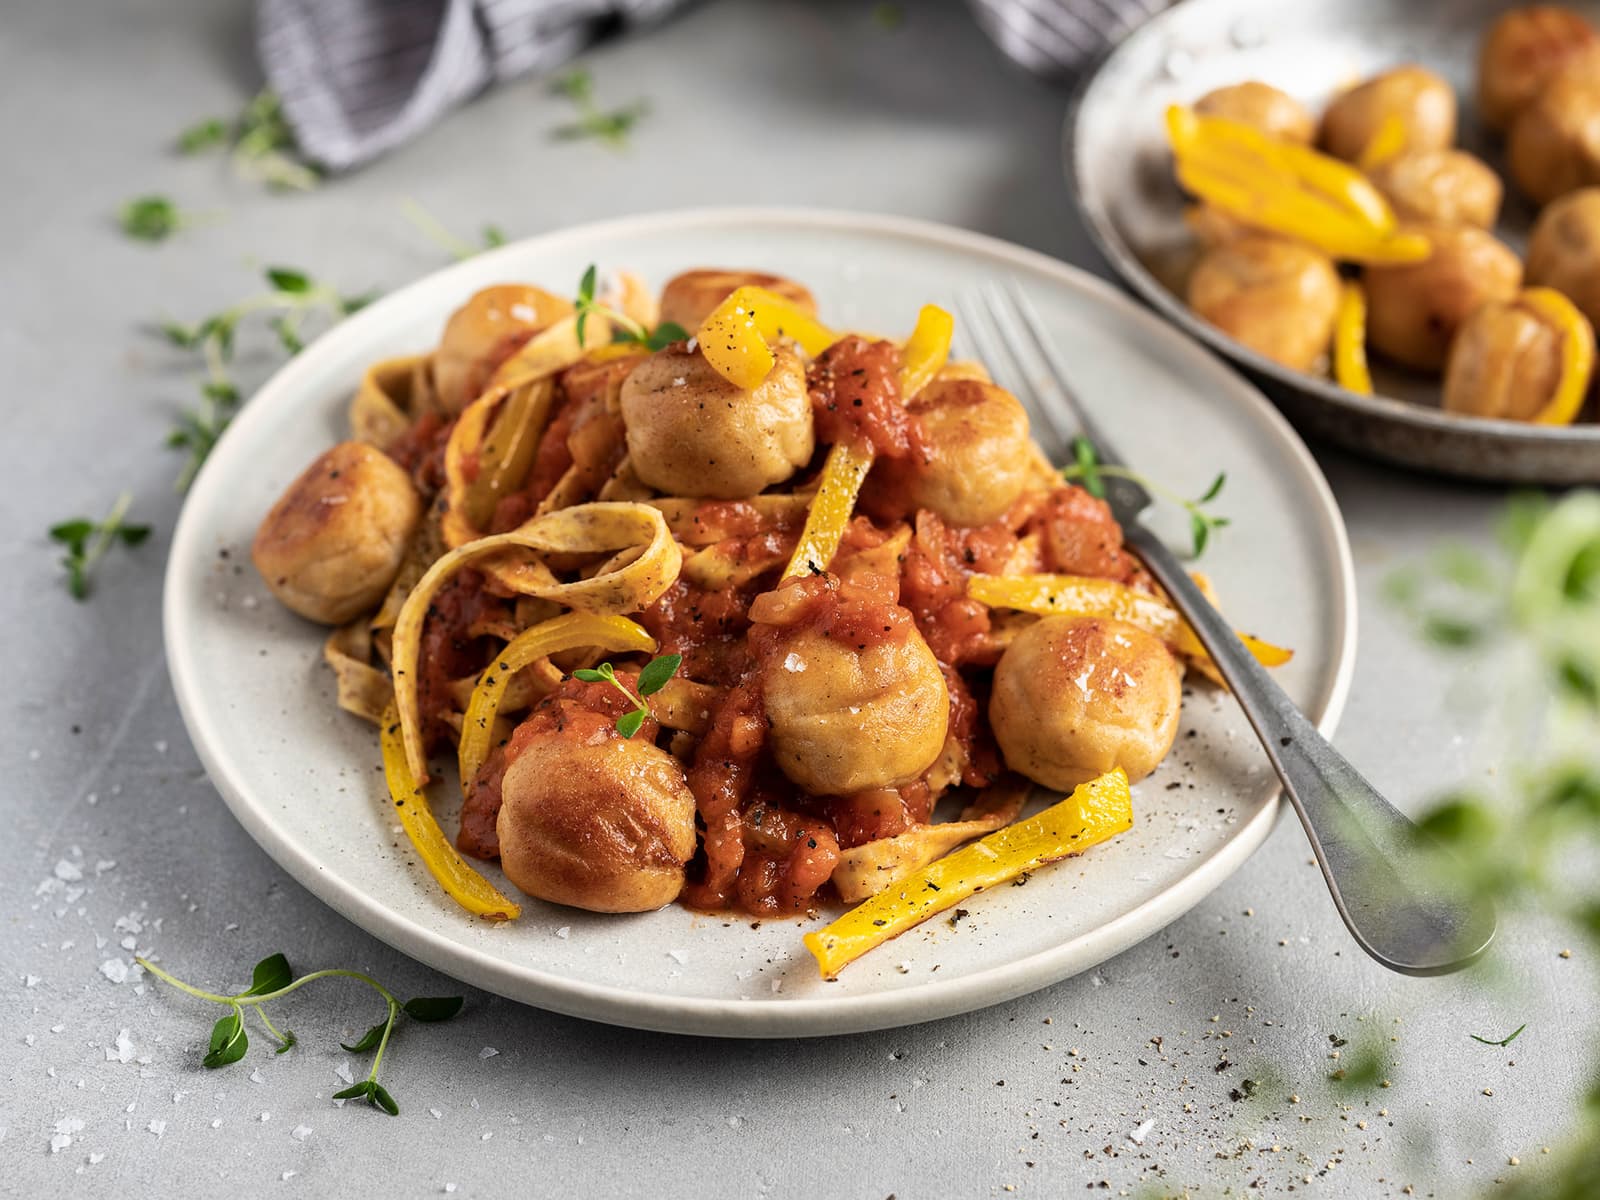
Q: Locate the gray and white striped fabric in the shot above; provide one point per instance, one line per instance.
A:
(360, 77)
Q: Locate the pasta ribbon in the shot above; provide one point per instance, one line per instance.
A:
(645, 564)
(1350, 340)
(926, 350)
(566, 632)
(551, 350)
(1288, 189)
(842, 475)
(1095, 812)
(363, 689)
(464, 885)
(390, 396)
(736, 338)
(490, 452)
(1577, 354)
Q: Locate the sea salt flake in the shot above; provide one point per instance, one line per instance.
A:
(488, 1052)
(216, 1123)
(1140, 1131)
(157, 1127)
(122, 1048)
(257, 1077)
(68, 872)
(96, 1159)
(300, 1132)
(342, 1072)
(564, 932)
(30, 981)
(115, 970)
(435, 1114)
(486, 1135)
(679, 956)
(288, 1175)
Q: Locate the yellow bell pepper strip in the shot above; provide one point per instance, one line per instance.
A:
(566, 632)
(1287, 189)
(1577, 354)
(502, 428)
(1095, 812)
(464, 885)
(926, 350)
(1350, 340)
(736, 338)
(629, 582)
(842, 475)
(1083, 596)
(1386, 144)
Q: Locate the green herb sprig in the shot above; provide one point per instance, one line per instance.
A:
(273, 979)
(87, 542)
(152, 218)
(1505, 1041)
(261, 141)
(1089, 471)
(434, 230)
(651, 680)
(293, 298)
(625, 328)
(611, 127)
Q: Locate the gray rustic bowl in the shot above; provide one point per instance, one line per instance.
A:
(1118, 166)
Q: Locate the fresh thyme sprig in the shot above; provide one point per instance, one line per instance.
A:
(262, 144)
(292, 298)
(611, 127)
(151, 218)
(1089, 471)
(1505, 1041)
(273, 979)
(88, 541)
(434, 230)
(651, 680)
(626, 329)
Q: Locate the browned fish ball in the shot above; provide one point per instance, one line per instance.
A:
(1413, 311)
(689, 298)
(1505, 362)
(601, 823)
(1564, 251)
(1075, 697)
(1441, 187)
(1261, 106)
(1521, 52)
(332, 544)
(1422, 101)
(1554, 146)
(485, 330)
(1279, 298)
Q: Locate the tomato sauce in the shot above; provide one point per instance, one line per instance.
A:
(855, 396)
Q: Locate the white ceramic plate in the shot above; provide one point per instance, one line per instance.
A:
(303, 779)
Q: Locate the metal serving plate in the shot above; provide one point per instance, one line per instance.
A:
(1119, 168)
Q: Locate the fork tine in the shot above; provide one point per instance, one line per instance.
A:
(979, 323)
(1058, 383)
(1043, 390)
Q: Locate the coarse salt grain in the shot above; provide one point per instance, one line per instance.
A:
(488, 1052)
(1140, 1132)
(300, 1132)
(157, 1127)
(679, 956)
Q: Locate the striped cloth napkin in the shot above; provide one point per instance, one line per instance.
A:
(360, 77)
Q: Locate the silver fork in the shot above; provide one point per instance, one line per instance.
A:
(1399, 908)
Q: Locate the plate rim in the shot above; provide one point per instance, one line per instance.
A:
(1120, 257)
(701, 1015)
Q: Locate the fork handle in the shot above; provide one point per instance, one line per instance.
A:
(1395, 904)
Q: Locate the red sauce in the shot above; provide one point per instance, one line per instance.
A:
(721, 778)
(420, 450)
(855, 394)
(707, 628)
(1079, 536)
(449, 651)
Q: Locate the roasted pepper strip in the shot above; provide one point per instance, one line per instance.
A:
(566, 632)
(1287, 189)
(926, 350)
(831, 508)
(489, 453)
(736, 339)
(1350, 340)
(1083, 596)
(1577, 355)
(1096, 811)
(1389, 142)
(468, 888)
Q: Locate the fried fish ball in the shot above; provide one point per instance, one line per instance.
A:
(484, 332)
(850, 714)
(689, 298)
(1413, 311)
(594, 820)
(1423, 102)
(1564, 251)
(692, 433)
(1522, 51)
(1076, 696)
(1278, 298)
(332, 544)
(1554, 145)
(1440, 187)
(969, 460)
(1505, 362)
(1262, 106)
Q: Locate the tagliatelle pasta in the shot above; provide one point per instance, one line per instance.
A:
(719, 617)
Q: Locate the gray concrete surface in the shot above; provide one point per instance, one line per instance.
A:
(771, 102)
